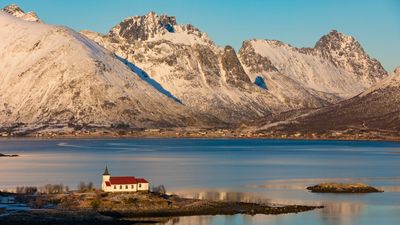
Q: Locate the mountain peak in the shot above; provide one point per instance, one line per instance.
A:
(144, 27)
(13, 8)
(335, 40)
(346, 52)
(16, 11)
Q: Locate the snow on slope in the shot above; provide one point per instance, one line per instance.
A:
(53, 75)
(336, 69)
(211, 79)
(391, 81)
(184, 61)
(376, 110)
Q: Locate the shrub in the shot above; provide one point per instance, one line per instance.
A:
(95, 204)
(83, 187)
(130, 201)
(53, 189)
(26, 190)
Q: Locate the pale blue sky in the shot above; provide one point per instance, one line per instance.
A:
(375, 23)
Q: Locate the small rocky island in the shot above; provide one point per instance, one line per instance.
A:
(96, 207)
(343, 188)
(5, 155)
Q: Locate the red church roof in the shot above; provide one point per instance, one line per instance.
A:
(142, 180)
(125, 180)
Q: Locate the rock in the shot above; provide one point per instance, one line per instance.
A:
(397, 71)
(346, 52)
(342, 188)
(5, 155)
(16, 11)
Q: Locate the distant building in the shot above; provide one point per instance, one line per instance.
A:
(123, 184)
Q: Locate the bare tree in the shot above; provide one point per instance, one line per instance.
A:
(89, 186)
(82, 186)
(159, 189)
(26, 190)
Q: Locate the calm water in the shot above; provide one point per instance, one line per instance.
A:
(272, 171)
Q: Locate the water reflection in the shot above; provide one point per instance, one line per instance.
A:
(261, 171)
(335, 213)
(342, 213)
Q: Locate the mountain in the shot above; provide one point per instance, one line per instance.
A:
(151, 72)
(337, 68)
(266, 77)
(52, 75)
(204, 77)
(376, 110)
(16, 11)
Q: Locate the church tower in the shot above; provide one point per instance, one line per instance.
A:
(106, 177)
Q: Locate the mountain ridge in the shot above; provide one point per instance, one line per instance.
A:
(151, 72)
(16, 11)
(53, 75)
(376, 111)
(284, 92)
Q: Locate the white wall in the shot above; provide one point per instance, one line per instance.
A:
(122, 188)
(143, 187)
(103, 184)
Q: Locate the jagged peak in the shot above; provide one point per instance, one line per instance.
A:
(345, 51)
(16, 11)
(335, 39)
(152, 25)
(13, 8)
(144, 27)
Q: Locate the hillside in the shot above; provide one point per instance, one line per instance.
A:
(265, 78)
(53, 75)
(376, 110)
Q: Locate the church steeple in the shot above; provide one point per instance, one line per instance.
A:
(106, 172)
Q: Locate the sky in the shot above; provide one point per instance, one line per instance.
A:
(374, 23)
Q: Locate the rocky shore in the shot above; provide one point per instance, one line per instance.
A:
(5, 155)
(129, 208)
(343, 188)
(208, 133)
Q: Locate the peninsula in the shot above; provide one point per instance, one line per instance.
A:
(97, 207)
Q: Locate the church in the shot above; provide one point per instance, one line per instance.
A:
(123, 184)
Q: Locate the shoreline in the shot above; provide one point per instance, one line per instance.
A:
(196, 137)
(97, 207)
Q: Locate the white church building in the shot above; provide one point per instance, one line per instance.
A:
(123, 184)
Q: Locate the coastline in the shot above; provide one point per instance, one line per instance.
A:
(97, 207)
(202, 134)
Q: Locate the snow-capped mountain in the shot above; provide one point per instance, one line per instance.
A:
(53, 75)
(267, 77)
(16, 11)
(153, 72)
(335, 69)
(203, 76)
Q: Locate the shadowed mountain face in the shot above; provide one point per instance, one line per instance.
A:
(377, 109)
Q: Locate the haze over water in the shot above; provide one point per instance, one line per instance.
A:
(272, 171)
